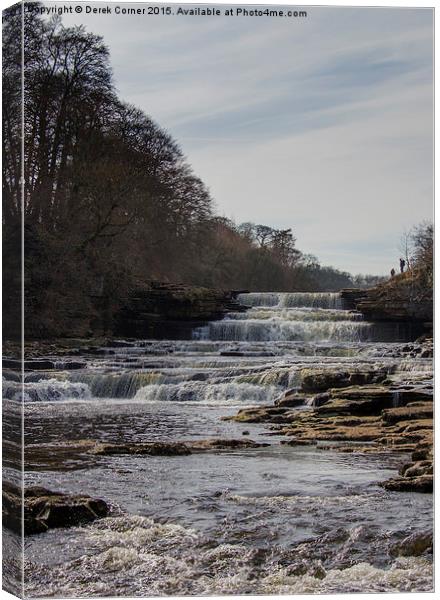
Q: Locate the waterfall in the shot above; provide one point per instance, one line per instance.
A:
(289, 330)
(290, 317)
(208, 393)
(296, 314)
(46, 390)
(117, 385)
(292, 299)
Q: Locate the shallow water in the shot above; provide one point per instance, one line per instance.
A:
(271, 520)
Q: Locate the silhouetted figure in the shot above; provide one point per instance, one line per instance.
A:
(393, 272)
(402, 265)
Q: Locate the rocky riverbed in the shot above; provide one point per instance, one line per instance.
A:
(262, 456)
(380, 415)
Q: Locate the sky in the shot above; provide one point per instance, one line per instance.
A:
(323, 124)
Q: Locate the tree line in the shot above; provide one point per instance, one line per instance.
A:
(110, 200)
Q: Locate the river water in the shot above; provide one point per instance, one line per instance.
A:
(272, 520)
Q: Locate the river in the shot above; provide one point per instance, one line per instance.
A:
(271, 520)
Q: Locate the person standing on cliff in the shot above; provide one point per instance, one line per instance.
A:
(402, 265)
(393, 272)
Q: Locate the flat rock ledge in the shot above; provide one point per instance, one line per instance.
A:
(171, 448)
(45, 509)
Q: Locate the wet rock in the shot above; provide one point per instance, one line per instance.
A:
(409, 395)
(423, 451)
(95, 351)
(121, 344)
(11, 376)
(423, 484)
(71, 365)
(362, 414)
(404, 413)
(291, 399)
(423, 425)
(357, 400)
(199, 377)
(45, 509)
(147, 448)
(173, 448)
(427, 353)
(421, 467)
(259, 414)
(347, 407)
(320, 399)
(415, 544)
(320, 380)
(298, 442)
(220, 444)
(370, 392)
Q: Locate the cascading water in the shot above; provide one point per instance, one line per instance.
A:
(46, 390)
(292, 299)
(208, 393)
(307, 317)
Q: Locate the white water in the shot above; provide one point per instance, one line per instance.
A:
(305, 317)
(255, 330)
(214, 394)
(46, 390)
(292, 299)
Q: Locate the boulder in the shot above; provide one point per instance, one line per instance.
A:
(421, 467)
(260, 414)
(423, 451)
(415, 544)
(45, 509)
(291, 399)
(321, 380)
(423, 484)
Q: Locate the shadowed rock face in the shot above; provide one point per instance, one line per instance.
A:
(169, 310)
(404, 298)
(44, 509)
